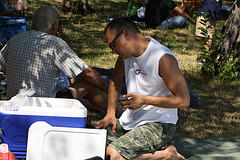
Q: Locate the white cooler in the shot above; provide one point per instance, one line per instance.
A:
(46, 142)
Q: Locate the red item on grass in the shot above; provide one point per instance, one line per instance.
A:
(5, 154)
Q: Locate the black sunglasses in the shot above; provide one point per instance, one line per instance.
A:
(110, 45)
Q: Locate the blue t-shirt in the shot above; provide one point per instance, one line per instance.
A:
(210, 7)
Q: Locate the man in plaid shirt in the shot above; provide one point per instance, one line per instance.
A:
(34, 59)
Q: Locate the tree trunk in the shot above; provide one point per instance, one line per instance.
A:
(231, 43)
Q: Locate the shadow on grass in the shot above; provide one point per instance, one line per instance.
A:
(218, 116)
(178, 40)
(85, 32)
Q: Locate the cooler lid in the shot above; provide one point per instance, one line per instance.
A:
(47, 142)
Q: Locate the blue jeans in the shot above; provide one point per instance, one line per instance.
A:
(173, 22)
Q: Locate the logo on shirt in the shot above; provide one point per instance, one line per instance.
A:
(138, 71)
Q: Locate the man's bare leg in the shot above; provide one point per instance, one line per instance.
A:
(96, 96)
(113, 154)
(170, 153)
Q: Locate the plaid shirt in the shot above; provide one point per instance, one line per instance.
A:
(35, 59)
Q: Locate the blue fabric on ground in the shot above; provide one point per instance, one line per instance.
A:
(106, 75)
(10, 26)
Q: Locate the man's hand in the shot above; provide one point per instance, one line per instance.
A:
(180, 12)
(135, 101)
(107, 121)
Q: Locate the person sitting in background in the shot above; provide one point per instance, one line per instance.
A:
(159, 15)
(34, 59)
(156, 89)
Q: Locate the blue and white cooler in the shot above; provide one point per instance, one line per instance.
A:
(57, 112)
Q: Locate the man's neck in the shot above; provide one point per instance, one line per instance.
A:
(141, 45)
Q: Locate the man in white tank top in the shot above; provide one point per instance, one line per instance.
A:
(155, 89)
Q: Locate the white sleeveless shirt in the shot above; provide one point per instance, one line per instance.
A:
(141, 76)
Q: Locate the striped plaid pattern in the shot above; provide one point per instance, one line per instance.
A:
(35, 59)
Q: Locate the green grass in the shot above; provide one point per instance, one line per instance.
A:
(219, 100)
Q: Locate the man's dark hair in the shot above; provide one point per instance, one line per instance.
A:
(122, 23)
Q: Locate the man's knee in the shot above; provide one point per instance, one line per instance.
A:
(112, 154)
(109, 151)
(81, 87)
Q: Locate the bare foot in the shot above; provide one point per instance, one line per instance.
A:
(173, 154)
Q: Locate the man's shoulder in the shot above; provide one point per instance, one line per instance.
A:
(158, 48)
(52, 39)
(154, 43)
(21, 34)
(35, 35)
(40, 37)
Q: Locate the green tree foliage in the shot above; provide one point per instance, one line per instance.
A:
(214, 65)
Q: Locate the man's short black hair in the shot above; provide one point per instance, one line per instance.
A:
(120, 23)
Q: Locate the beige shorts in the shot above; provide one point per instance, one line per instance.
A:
(210, 30)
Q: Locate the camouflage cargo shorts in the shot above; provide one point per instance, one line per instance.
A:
(146, 138)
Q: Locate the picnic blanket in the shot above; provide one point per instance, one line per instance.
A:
(209, 148)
